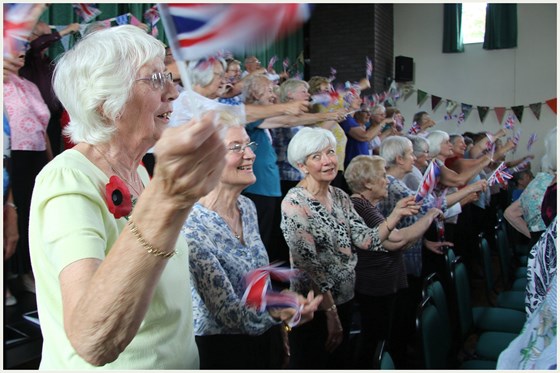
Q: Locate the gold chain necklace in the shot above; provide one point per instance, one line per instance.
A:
(116, 172)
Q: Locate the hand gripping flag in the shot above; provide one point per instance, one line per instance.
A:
(199, 30)
(499, 176)
(87, 12)
(429, 181)
(415, 129)
(258, 290)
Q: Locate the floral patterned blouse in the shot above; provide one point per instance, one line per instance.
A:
(323, 244)
(397, 191)
(531, 200)
(218, 261)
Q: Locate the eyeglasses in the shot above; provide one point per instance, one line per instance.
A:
(158, 80)
(240, 149)
(219, 75)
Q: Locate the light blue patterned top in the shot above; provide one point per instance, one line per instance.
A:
(218, 261)
(531, 200)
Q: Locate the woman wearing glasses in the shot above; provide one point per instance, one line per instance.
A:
(223, 236)
(109, 262)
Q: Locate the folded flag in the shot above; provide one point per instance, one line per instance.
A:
(499, 176)
(199, 30)
(429, 181)
(259, 294)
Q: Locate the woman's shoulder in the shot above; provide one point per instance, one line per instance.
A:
(70, 164)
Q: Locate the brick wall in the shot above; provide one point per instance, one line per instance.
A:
(342, 35)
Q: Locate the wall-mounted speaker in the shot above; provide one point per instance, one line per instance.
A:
(404, 69)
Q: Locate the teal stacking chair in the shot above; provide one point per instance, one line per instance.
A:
(514, 300)
(514, 280)
(383, 359)
(435, 339)
(490, 325)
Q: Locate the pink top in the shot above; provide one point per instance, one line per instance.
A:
(27, 113)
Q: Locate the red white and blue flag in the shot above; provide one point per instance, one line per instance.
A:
(531, 141)
(199, 30)
(87, 12)
(286, 64)
(429, 181)
(19, 20)
(415, 129)
(258, 290)
(510, 122)
(271, 63)
(499, 176)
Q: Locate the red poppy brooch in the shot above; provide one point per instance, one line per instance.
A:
(118, 198)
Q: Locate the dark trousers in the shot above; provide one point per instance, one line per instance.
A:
(376, 318)
(404, 323)
(268, 214)
(307, 342)
(236, 351)
(26, 165)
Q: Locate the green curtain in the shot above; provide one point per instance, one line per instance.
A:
(501, 26)
(62, 14)
(452, 31)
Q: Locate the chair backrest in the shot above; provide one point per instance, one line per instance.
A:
(434, 335)
(433, 288)
(486, 257)
(383, 359)
(460, 279)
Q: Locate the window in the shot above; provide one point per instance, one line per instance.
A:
(473, 22)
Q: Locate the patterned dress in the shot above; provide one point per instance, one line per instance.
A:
(218, 261)
(323, 244)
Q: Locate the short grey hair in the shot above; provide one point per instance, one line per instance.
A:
(201, 72)
(435, 138)
(548, 161)
(455, 136)
(419, 145)
(289, 86)
(93, 80)
(253, 87)
(363, 169)
(307, 141)
(378, 107)
(393, 147)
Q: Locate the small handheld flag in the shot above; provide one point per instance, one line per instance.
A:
(429, 181)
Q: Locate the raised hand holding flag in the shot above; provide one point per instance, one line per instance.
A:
(499, 176)
(429, 181)
(87, 12)
(510, 122)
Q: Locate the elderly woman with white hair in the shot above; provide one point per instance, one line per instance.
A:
(110, 266)
(323, 231)
(525, 213)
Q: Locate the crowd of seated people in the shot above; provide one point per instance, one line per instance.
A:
(329, 189)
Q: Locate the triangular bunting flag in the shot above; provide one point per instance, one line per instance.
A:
(536, 109)
(435, 101)
(518, 111)
(500, 111)
(406, 91)
(122, 19)
(421, 97)
(552, 104)
(482, 112)
(451, 106)
(466, 109)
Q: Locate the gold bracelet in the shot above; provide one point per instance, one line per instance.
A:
(287, 328)
(152, 250)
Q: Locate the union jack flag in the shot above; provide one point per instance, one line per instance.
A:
(286, 63)
(19, 20)
(415, 129)
(199, 30)
(510, 122)
(369, 68)
(272, 62)
(499, 176)
(258, 293)
(430, 180)
(87, 12)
